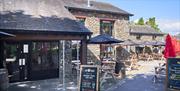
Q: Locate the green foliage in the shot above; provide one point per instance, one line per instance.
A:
(152, 22)
(140, 21)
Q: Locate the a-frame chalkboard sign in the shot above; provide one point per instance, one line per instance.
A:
(89, 78)
(173, 73)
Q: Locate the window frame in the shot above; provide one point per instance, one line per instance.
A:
(138, 37)
(109, 23)
(81, 20)
(154, 37)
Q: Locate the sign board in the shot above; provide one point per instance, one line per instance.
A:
(25, 48)
(89, 78)
(173, 71)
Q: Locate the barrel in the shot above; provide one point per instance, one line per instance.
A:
(4, 80)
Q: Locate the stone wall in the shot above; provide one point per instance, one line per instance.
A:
(147, 38)
(93, 53)
(93, 24)
(120, 31)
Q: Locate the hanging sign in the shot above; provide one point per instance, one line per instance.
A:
(89, 78)
(173, 70)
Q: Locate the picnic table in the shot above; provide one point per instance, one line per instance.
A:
(146, 57)
(107, 68)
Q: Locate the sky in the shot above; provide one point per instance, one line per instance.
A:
(166, 12)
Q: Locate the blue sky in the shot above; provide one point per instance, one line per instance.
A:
(167, 12)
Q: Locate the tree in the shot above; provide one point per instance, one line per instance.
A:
(140, 21)
(152, 22)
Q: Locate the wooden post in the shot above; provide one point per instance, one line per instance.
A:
(83, 53)
(2, 54)
(166, 80)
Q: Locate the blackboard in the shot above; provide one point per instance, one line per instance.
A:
(173, 73)
(89, 78)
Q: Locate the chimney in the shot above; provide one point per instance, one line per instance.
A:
(88, 3)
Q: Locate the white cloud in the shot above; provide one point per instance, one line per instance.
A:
(136, 21)
(169, 26)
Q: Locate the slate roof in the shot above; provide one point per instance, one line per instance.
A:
(143, 30)
(95, 6)
(38, 15)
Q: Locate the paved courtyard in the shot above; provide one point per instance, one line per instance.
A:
(141, 80)
(136, 80)
(42, 85)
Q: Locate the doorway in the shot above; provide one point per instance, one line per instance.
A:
(17, 56)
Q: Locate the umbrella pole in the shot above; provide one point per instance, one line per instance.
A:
(115, 51)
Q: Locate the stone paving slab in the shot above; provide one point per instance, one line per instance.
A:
(136, 80)
(141, 79)
(42, 85)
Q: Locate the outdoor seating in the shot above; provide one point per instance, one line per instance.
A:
(107, 68)
(145, 57)
(131, 62)
(150, 58)
(157, 56)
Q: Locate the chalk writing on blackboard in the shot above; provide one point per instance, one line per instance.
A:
(89, 76)
(174, 73)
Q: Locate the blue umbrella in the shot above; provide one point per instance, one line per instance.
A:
(103, 39)
(129, 42)
(152, 43)
(159, 43)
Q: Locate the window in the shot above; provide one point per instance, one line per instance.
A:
(106, 27)
(11, 50)
(81, 20)
(154, 37)
(75, 50)
(106, 51)
(138, 37)
(44, 55)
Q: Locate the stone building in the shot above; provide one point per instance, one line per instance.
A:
(100, 17)
(144, 33)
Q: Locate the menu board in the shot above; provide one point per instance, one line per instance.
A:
(89, 78)
(173, 73)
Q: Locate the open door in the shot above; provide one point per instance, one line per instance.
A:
(16, 61)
